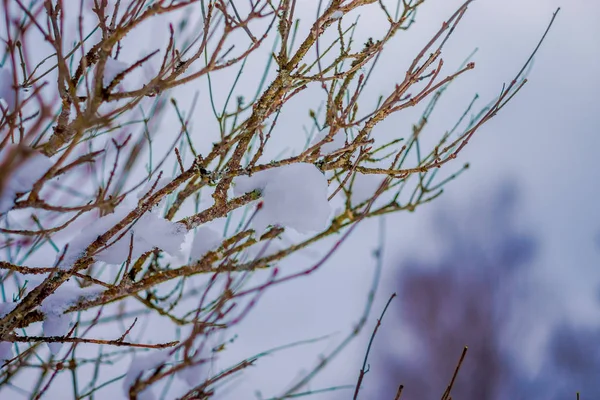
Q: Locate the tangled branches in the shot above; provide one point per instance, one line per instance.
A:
(87, 125)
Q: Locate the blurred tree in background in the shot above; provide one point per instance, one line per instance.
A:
(476, 292)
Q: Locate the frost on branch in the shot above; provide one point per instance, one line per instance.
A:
(293, 196)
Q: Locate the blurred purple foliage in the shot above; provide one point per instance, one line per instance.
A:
(474, 293)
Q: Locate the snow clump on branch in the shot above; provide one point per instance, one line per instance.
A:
(293, 196)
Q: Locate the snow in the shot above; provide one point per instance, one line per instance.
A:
(29, 169)
(205, 240)
(140, 364)
(7, 92)
(148, 232)
(87, 235)
(112, 68)
(293, 196)
(65, 297)
(56, 323)
(258, 181)
(337, 14)
(339, 140)
(161, 233)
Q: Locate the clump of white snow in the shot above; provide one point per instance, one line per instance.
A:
(56, 322)
(293, 196)
(141, 364)
(205, 240)
(30, 167)
(258, 181)
(112, 68)
(337, 14)
(161, 233)
(56, 325)
(67, 296)
(339, 140)
(87, 235)
(149, 231)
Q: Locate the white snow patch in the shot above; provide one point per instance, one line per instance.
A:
(56, 322)
(205, 240)
(161, 233)
(293, 196)
(112, 68)
(337, 14)
(339, 140)
(56, 325)
(65, 297)
(30, 166)
(88, 234)
(148, 232)
(140, 364)
(258, 181)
